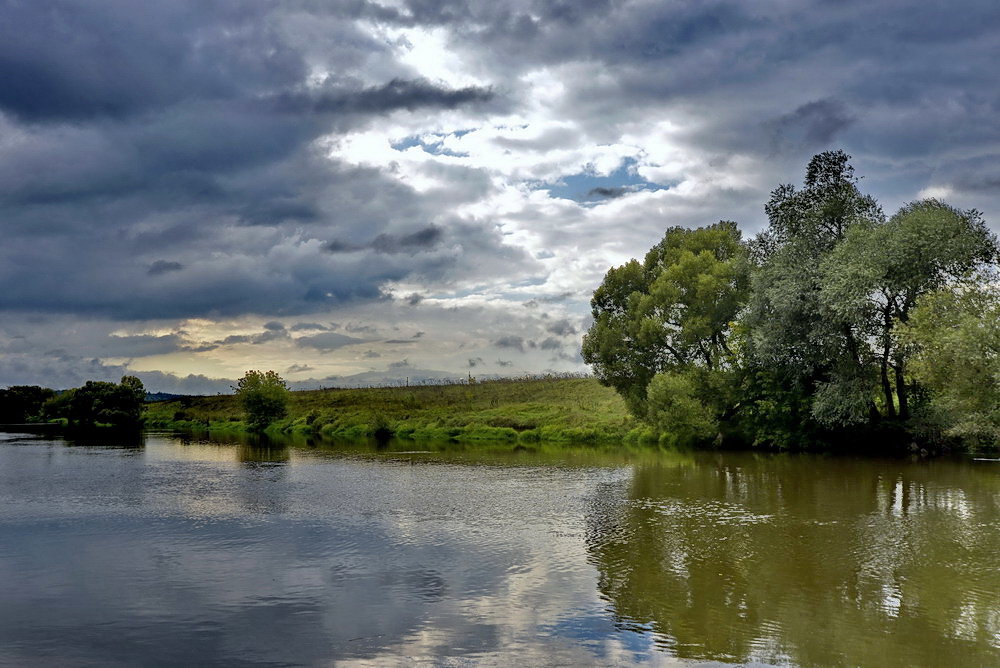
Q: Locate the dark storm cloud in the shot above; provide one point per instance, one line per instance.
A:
(425, 238)
(555, 299)
(71, 61)
(396, 94)
(551, 343)
(608, 193)
(163, 267)
(145, 344)
(422, 239)
(273, 331)
(561, 328)
(327, 341)
(308, 326)
(812, 125)
(513, 342)
(130, 130)
(989, 183)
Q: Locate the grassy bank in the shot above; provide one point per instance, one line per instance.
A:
(525, 410)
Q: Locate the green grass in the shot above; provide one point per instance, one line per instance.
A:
(522, 410)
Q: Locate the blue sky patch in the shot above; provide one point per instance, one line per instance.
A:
(589, 187)
(434, 147)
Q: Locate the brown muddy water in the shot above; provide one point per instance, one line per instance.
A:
(172, 551)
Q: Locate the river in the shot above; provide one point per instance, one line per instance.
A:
(176, 551)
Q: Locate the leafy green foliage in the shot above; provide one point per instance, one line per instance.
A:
(955, 335)
(264, 398)
(674, 310)
(100, 403)
(676, 411)
(836, 280)
(875, 276)
(813, 350)
(796, 337)
(22, 403)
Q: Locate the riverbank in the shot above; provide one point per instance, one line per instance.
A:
(521, 410)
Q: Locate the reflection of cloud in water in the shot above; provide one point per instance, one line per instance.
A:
(221, 561)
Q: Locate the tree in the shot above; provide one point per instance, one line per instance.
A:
(674, 310)
(803, 334)
(835, 282)
(264, 397)
(876, 275)
(101, 402)
(21, 403)
(954, 336)
(797, 344)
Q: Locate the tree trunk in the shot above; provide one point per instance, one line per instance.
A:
(890, 404)
(904, 406)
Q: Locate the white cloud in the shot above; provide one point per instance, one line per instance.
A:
(936, 192)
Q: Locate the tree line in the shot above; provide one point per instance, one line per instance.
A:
(94, 403)
(262, 395)
(834, 325)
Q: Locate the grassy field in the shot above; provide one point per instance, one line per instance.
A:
(524, 410)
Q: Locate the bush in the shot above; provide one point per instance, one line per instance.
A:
(675, 410)
(264, 398)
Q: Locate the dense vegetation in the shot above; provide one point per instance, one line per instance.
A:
(526, 410)
(835, 325)
(23, 403)
(96, 403)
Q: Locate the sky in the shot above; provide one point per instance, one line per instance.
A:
(361, 191)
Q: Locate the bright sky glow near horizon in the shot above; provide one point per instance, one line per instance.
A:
(355, 191)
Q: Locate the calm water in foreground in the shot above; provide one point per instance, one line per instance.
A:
(183, 552)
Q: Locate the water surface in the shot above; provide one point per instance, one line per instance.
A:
(172, 551)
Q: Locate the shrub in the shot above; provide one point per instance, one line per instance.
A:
(264, 397)
(675, 410)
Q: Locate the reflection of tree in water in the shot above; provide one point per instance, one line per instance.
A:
(264, 463)
(124, 439)
(267, 453)
(739, 557)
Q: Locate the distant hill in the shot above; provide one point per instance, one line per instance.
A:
(398, 377)
(162, 396)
